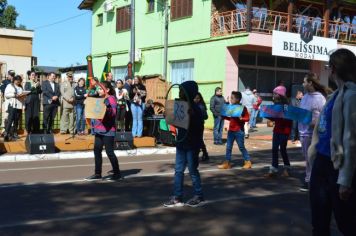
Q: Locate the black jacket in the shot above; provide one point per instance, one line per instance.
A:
(48, 93)
(216, 103)
(139, 87)
(34, 95)
(79, 93)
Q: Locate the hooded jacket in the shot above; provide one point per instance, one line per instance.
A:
(343, 133)
(192, 137)
(248, 99)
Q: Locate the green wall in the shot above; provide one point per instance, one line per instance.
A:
(189, 38)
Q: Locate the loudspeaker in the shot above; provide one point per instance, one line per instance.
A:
(40, 143)
(123, 141)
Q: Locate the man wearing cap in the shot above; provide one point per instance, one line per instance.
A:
(7, 81)
(67, 92)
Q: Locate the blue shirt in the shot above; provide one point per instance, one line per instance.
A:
(324, 130)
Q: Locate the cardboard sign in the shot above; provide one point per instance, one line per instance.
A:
(94, 108)
(176, 113)
(232, 110)
(286, 112)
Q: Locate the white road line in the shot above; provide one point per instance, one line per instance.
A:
(83, 165)
(256, 166)
(135, 211)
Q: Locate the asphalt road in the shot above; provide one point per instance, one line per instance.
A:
(51, 198)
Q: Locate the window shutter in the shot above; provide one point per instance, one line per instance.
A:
(123, 18)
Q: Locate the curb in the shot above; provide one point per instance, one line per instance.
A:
(85, 154)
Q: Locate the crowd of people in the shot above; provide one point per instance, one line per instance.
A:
(328, 142)
(70, 97)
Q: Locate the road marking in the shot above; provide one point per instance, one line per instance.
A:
(139, 210)
(83, 165)
(255, 167)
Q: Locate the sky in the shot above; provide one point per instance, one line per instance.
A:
(63, 44)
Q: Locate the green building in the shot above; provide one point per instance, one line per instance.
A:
(215, 42)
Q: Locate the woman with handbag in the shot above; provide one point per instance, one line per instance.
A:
(138, 98)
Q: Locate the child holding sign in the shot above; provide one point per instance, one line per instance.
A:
(187, 149)
(104, 131)
(281, 132)
(236, 133)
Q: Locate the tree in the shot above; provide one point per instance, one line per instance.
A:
(8, 18)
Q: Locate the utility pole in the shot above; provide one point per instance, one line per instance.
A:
(166, 23)
(132, 50)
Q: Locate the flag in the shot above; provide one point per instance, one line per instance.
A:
(90, 74)
(107, 68)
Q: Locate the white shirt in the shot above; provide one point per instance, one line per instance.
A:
(10, 92)
(52, 85)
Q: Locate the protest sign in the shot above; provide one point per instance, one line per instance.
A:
(94, 108)
(176, 113)
(232, 110)
(286, 112)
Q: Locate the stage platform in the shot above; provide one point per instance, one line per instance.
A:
(65, 143)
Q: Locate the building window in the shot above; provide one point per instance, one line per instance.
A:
(150, 6)
(181, 8)
(123, 18)
(119, 72)
(182, 71)
(99, 19)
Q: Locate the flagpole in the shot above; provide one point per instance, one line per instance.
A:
(132, 50)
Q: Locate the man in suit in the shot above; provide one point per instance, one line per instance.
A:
(51, 94)
(67, 95)
(32, 104)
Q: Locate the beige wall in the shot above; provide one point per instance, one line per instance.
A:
(15, 46)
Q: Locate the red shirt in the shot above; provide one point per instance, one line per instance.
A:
(237, 123)
(282, 126)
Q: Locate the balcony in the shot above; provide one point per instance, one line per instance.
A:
(265, 21)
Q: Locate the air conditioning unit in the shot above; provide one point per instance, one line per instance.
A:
(108, 6)
(138, 55)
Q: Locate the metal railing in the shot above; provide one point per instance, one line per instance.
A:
(265, 21)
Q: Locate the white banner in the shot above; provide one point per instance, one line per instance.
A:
(291, 45)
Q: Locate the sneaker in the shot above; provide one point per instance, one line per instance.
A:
(247, 136)
(247, 165)
(225, 165)
(94, 177)
(173, 202)
(113, 177)
(196, 201)
(304, 187)
(6, 138)
(205, 157)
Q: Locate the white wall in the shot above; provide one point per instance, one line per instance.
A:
(17, 63)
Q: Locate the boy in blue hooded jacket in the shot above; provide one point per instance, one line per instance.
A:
(187, 150)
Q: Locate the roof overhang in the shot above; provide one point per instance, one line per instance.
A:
(86, 5)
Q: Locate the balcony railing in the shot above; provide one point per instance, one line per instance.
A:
(265, 21)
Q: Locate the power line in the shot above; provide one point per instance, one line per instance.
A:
(60, 21)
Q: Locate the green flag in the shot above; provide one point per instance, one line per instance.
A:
(107, 68)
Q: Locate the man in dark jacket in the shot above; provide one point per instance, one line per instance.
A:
(187, 150)
(32, 104)
(51, 94)
(216, 103)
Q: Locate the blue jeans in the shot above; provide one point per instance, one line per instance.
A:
(254, 114)
(325, 200)
(239, 136)
(137, 121)
(218, 129)
(80, 118)
(279, 142)
(184, 157)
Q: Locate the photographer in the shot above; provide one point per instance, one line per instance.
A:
(32, 104)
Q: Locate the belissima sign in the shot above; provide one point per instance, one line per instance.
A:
(297, 46)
